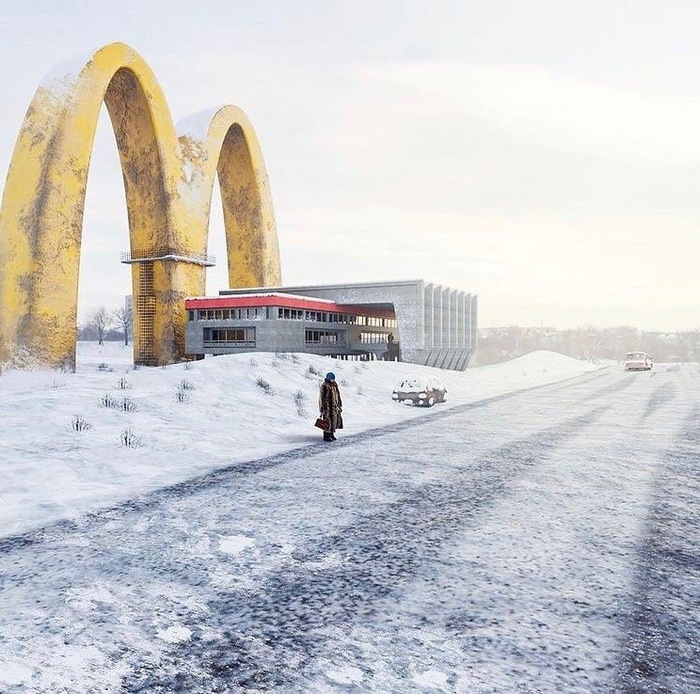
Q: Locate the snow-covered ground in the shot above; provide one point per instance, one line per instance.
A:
(537, 533)
(189, 419)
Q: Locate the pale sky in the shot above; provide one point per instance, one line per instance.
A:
(543, 154)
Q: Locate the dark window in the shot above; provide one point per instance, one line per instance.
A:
(322, 337)
(229, 337)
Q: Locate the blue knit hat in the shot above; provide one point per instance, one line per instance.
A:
(330, 376)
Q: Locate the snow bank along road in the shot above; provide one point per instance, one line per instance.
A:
(543, 541)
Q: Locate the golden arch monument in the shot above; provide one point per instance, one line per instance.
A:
(168, 182)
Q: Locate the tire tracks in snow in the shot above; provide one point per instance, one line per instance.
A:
(224, 475)
(661, 652)
(662, 396)
(267, 637)
(624, 381)
(614, 388)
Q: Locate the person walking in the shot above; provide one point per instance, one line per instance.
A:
(330, 405)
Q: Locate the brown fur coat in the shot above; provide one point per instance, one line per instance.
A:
(330, 405)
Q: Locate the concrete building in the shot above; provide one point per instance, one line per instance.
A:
(410, 321)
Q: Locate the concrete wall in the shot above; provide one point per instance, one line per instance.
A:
(450, 328)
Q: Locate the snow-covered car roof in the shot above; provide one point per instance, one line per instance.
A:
(419, 383)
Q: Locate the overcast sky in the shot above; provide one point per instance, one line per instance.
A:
(544, 154)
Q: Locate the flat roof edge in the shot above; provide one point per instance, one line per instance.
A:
(254, 294)
(340, 285)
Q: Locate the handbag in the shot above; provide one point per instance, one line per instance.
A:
(321, 423)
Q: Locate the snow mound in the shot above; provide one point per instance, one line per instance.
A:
(546, 359)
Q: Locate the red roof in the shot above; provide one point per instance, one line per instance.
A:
(285, 301)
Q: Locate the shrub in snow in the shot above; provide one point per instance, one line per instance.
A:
(123, 384)
(187, 365)
(300, 402)
(313, 371)
(186, 385)
(127, 405)
(182, 396)
(104, 367)
(344, 382)
(275, 364)
(58, 384)
(295, 358)
(108, 401)
(264, 386)
(129, 439)
(79, 423)
(360, 390)
(284, 356)
(253, 362)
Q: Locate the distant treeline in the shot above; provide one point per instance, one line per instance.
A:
(88, 333)
(501, 344)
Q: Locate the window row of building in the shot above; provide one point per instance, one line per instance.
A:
(288, 314)
(322, 337)
(245, 337)
(373, 338)
(342, 318)
(234, 337)
(226, 314)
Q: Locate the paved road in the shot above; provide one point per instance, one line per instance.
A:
(545, 541)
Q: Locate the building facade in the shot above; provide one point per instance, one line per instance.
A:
(410, 321)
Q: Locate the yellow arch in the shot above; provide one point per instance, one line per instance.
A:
(44, 196)
(223, 143)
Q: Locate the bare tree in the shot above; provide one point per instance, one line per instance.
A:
(99, 322)
(122, 319)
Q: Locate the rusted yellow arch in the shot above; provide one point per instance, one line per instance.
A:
(223, 143)
(43, 201)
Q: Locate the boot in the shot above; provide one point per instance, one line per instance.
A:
(327, 436)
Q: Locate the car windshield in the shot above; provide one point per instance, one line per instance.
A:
(636, 355)
(411, 384)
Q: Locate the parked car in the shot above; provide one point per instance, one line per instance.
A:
(423, 392)
(638, 361)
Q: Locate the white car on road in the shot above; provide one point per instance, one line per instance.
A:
(638, 361)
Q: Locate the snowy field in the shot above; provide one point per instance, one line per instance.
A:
(537, 533)
(187, 421)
